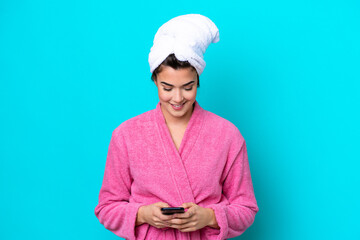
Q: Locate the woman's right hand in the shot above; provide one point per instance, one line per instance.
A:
(152, 215)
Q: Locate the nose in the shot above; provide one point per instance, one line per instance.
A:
(178, 96)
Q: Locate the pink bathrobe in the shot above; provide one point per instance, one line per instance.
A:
(143, 166)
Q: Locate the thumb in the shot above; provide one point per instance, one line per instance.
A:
(188, 205)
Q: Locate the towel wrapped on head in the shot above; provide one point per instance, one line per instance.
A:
(188, 37)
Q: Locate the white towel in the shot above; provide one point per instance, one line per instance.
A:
(188, 37)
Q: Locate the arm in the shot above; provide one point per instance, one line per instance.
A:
(234, 218)
(114, 210)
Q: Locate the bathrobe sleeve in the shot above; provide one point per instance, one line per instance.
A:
(236, 216)
(114, 210)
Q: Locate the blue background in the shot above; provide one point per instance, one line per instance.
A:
(286, 73)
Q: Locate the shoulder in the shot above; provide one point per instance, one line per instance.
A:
(223, 126)
(135, 124)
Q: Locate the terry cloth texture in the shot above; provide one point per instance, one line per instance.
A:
(210, 169)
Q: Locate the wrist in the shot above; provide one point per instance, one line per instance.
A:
(140, 216)
(212, 219)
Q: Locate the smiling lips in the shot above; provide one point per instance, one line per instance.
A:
(177, 107)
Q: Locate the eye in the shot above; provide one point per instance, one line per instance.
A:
(188, 89)
(166, 89)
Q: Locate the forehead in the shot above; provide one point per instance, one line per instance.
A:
(176, 76)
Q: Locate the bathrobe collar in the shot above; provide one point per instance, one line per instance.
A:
(192, 129)
(177, 159)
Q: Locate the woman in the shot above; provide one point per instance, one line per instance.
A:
(178, 154)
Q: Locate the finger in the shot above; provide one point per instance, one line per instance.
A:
(188, 205)
(164, 217)
(179, 221)
(189, 229)
(188, 226)
(163, 225)
(182, 215)
(187, 214)
(161, 222)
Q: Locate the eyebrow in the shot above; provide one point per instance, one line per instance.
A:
(173, 85)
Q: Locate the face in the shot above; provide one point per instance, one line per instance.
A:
(177, 92)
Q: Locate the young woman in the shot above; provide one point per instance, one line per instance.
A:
(178, 154)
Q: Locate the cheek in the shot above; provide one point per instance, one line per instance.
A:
(190, 95)
(164, 96)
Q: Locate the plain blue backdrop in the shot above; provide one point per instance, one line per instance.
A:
(286, 73)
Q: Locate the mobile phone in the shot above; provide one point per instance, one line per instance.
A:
(172, 210)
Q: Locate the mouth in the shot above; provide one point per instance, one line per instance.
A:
(177, 107)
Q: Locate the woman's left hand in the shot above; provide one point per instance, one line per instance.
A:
(194, 218)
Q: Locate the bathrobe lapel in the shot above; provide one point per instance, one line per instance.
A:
(177, 159)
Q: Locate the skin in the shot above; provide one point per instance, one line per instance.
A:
(181, 84)
(194, 218)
